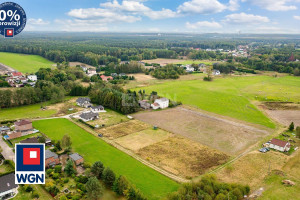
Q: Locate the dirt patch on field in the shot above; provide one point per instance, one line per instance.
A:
(123, 129)
(224, 135)
(136, 141)
(253, 168)
(63, 108)
(182, 156)
(73, 64)
(285, 117)
(280, 106)
(142, 77)
(162, 61)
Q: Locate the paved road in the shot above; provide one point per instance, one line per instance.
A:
(7, 152)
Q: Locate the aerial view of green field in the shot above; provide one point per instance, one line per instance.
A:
(231, 96)
(93, 149)
(24, 63)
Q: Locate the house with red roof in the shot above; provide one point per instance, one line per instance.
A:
(15, 74)
(280, 145)
(106, 78)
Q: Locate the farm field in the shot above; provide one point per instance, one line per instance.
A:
(30, 111)
(232, 96)
(153, 185)
(123, 129)
(217, 133)
(182, 156)
(24, 63)
(163, 61)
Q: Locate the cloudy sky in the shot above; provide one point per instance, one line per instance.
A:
(181, 16)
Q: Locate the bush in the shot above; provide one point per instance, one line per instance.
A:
(57, 169)
(207, 78)
(28, 188)
(120, 185)
(291, 127)
(97, 169)
(35, 195)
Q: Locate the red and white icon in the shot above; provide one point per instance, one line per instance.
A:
(31, 156)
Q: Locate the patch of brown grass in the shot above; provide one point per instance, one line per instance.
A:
(182, 156)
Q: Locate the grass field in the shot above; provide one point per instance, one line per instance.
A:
(231, 96)
(24, 63)
(109, 118)
(152, 184)
(30, 111)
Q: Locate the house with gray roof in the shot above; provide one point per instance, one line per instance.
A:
(51, 158)
(96, 109)
(75, 157)
(8, 188)
(88, 116)
(4, 129)
(84, 102)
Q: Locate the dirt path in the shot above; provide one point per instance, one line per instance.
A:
(172, 176)
(4, 68)
(7, 152)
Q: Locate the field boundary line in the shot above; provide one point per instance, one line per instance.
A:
(131, 154)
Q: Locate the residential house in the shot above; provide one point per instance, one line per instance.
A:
(216, 72)
(83, 67)
(4, 130)
(96, 109)
(91, 72)
(23, 126)
(202, 67)
(189, 69)
(280, 145)
(32, 78)
(51, 159)
(114, 74)
(30, 140)
(88, 116)
(162, 103)
(8, 188)
(76, 158)
(106, 78)
(84, 102)
(12, 135)
(15, 75)
(155, 106)
(144, 104)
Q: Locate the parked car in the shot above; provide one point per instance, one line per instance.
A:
(100, 135)
(264, 150)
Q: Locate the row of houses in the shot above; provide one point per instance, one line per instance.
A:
(17, 79)
(52, 159)
(201, 67)
(21, 128)
(157, 104)
(92, 113)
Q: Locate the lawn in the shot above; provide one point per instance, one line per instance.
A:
(152, 184)
(30, 111)
(109, 118)
(24, 63)
(231, 96)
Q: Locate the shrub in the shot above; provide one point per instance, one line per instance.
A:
(291, 127)
(28, 188)
(35, 195)
(120, 185)
(57, 169)
(108, 177)
(97, 169)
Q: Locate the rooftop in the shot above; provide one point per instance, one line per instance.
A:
(22, 122)
(30, 140)
(49, 154)
(75, 156)
(7, 182)
(279, 142)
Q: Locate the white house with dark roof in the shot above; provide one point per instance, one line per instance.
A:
(84, 102)
(97, 109)
(8, 188)
(88, 116)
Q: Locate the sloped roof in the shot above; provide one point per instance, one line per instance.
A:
(7, 182)
(30, 140)
(279, 143)
(49, 154)
(88, 115)
(75, 156)
(22, 122)
(83, 99)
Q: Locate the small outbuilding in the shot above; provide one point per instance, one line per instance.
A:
(76, 158)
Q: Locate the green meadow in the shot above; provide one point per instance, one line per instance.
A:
(151, 183)
(24, 63)
(232, 96)
(30, 111)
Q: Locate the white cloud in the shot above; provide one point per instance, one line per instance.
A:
(203, 24)
(233, 5)
(79, 25)
(247, 19)
(274, 5)
(163, 14)
(39, 21)
(201, 7)
(297, 17)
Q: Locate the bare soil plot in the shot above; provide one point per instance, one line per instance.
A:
(123, 129)
(144, 138)
(163, 61)
(73, 64)
(182, 156)
(253, 168)
(227, 136)
(142, 77)
(63, 108)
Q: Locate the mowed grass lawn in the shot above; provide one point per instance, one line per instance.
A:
(231, 96)
(24, 63)
(152, 184)
(30, 111)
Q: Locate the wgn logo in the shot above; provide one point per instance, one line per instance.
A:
(30, 163)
